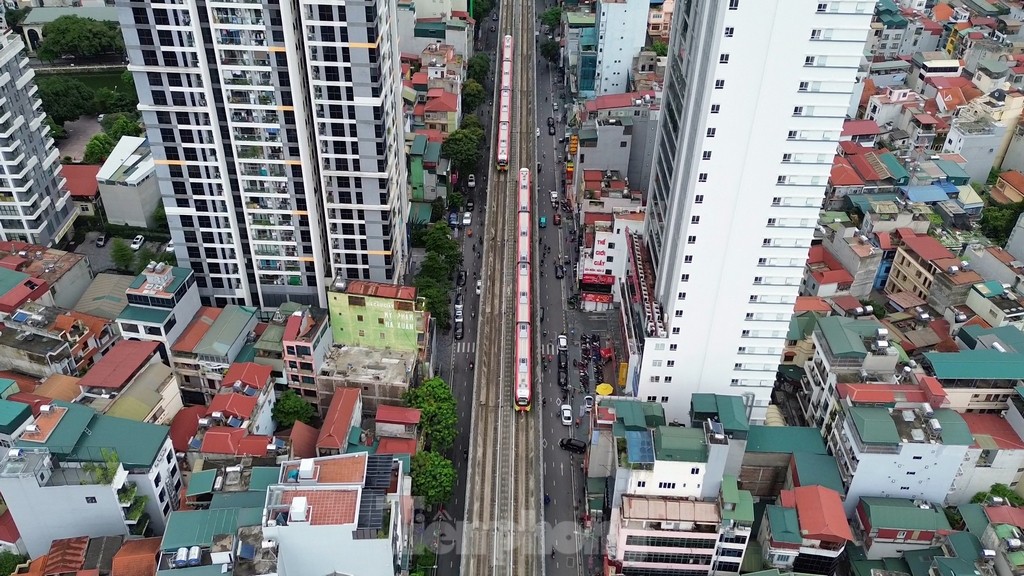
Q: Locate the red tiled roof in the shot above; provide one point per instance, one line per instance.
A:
(226, 440)
(878, 393)
(303, 437)
(397, 446)
(833, 273)
(66, 555)
(82, 180)
(846, 302)
(1014, 179)
(136, 558)
(334, 433)
(996, 428)
(851, 148)
(326, 507)
(25, 382)
(820, 513)
(30, 288)
(863, 168)
(843, 173)
(184, 426)
(120, 364)
(884, 240)
(926, 247)
(381, 290)
(349, 469)
(8, 529)
(1005, 515)
(942, 12)
(443, 102)
(33, 400)
(610, 101)
(248, 373)
(233, 404)
(860, 128)
(811, 304)
(397, 415)
(196, 329)
(590, 218)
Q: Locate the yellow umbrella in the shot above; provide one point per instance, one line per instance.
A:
(604, 389)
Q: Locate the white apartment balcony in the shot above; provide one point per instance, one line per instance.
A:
(257, 135)
(238, 16)
(256, 117)
(264, 170)
(271, 220)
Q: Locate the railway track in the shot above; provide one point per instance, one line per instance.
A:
(502, 536)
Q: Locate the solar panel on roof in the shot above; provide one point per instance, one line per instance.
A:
(20, 316)
(195, 443)
(371, 510)
(378, 471)
(234, 422)
(246, 551)
(640, 447)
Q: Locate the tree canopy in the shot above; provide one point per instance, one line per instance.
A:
(997, 221)
(290, 408)
(98, 149)
(65, 99)
(9, 561)
(473, 95)
(1000, 491)
(659, 48)
(433, 477)
(438, 417)
(552, 17)
(463, 148)
(79, 37)
(121, 254)
(550, 50)
(124, 126)
(479, 67)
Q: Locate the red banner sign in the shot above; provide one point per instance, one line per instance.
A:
(597, 298)
(599, 279)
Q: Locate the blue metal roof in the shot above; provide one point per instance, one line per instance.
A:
(640, 447)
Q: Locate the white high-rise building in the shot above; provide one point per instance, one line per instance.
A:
(277, 139)
(35, 204)
(621, 33)
(755, 98)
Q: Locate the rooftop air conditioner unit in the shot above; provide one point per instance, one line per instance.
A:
(46, 408)
(31, 429)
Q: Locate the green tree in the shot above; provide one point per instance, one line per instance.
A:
(473, 95)
(481, 8)
(437, 412)
(552, 17)
(160, 218)
(438, 240)
(997, 221)
(455, 201)
(433, 477)
(10, 561)
(64, 98)
(98, 149)
(659, 48)
(479, 67)
(436, 296)
(142, 258)
(121, 254)
(15, 16)
(438, 209)
(124, 126)
(289, 408)
(56, 130)
(462, 147)
(109, 101)
(79, 37)
(550, 50)
(1000, 491)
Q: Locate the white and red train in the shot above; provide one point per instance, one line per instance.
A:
(505, 105)
(524, 296)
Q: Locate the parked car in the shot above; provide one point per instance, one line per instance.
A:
(467, 219)
(461, 281)
(563, 360)
(574, 445)
(551, 130)
(494, 16)
(563, 342)
(563, 379)
(101, 240)
(470, 205)
(558, 219)
(137, 242)
(169, 247)
(559, 271)
(453, 220)
(459, 331)
(543, 222)
(588, 403)
(566, 413)
(471, 181)
(458, 302)
(551, 121)
(478, 282)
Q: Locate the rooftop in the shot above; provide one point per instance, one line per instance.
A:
(375, 289)
(187, 528)
(305, 325)
(678, 444)
(196, 329)
(129, 163)
(876, 425)
(12, 415)
(41, 16)
(397, 415)
(136, 558)
(60, 387)
(339, 420)
(119, 365)
(81, 180)
(48, 264)
(817, 470)
(144, 395)
(904, 514)
(340, 469)
(357, 364)
(105, 297)
(159, 279)
(821, 514)
(132, 313)
(247, 375)
(992, 432)
(669, 510)
(225, 331)
(729, 410)
(785, 440)
(324, 507)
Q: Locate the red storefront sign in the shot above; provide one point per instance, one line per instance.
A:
(597, 298)
(599, 279)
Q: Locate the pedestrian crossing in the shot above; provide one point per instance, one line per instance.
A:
(469, 347)
(547, 349)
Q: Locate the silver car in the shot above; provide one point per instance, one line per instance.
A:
(566, 412)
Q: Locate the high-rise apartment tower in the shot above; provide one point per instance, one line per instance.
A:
(35, 204)
(755, 97)
(278, 142)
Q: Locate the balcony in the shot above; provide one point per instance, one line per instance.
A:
(136, 509)
(276, 171)
(256, 117)
(127, 494)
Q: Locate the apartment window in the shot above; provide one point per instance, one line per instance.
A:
(758, 279)
(90, 499)
(745, 333)
(711, 133)
(706, 155)
(729, 31)
(655, 378)
(668, 485)
(670, 363)
(753, 298)
(691, 239)
(656, 363)
(822, 7)
(737, 366)
(787, 157)
(798, 110)
(681, 296)
(781, 180)
(684, 278)
(679, 313)
(766, 242)
(816, 34)
(791, 135)
(716, 108)
(902, 534)
(698, 199)
(804, 86)
(719, 84)
(777, 201)
(772, 221)
(694, 220)
(762, 261)
(733, 5)
(668, 379)
(643, 483)
(687, 259)
(723, 58)
(702, 177)
(675, 330)
(809, 60)
(673, 347)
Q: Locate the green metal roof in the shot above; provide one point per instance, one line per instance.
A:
(238, 500)
(785, 440)
(262, 477)
(1005, 531)
(8, 387)
(784, 524)
(954, 430)
(974, 517)
(201, 482)
(742, 501)
(13, 415)
(10, 278)
(919, 562)
(703, 402)
(187, 528)
(895, 168)
(1010, 336)
(46, 15)
(951, 169)
(818, 469)
(989, 289)
(874, 425)
(678, 444)
(137, 443)
(801, 325)
(577, 19)
(845, 335)
(976, 365)
(432, 153)
(202, 570)
(729, 409)
(178, 274)
(65, 435)
(225, 331)
(247, 353)
(903, 514)
(635, 415)
(1015, 558)
(419, 144)
(132, 313)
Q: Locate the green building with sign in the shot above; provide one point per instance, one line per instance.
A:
(378, 316)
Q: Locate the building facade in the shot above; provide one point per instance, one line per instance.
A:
(37, 205)
(276, 140)
(729, 225)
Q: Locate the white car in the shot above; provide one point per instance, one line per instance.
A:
(137, 242)
(471, 181)
(467, 218)
(566, 412)
(478, 287)
(169, 247)
(563, 342)
(588, 403)
(538, 132)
